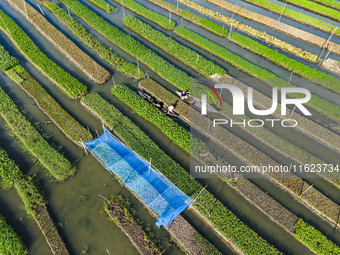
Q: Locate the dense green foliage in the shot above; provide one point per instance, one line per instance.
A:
(31, 140)
(103, 5)
(70, 85)
(158, 64)
(170, 45)
(9, 171)
(104, 52)
(148, 14)
(202, 22)
(65, 121)
(222, 218)
(30, 194)
(27, 187)
(6, 60)
(319, 104)
(10, 242)
(170, 128)
(294, 15)
(317, 8)
(332, 3)
(314, 239)
(292, 65)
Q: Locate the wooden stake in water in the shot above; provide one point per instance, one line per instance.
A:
(223, 29)
(290, 77)
(138, 67)
(231, 28)
(307, 190)
(327, 53)
(25, 9)
(147, 75)
(97, 133)
(123, 12)
(182, 21)
(114, 83)
(284, 7)
(291, 114)
(69, 14)
(325, 44)
(177, 6)
(169, 17)
(41, 9)
(197, 58)
(130, 40)
(5, 26)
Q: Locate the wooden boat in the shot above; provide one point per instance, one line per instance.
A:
(197, 103)
(159, 105)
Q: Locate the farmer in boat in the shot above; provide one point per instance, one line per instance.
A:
(185, 95)
(171, 109)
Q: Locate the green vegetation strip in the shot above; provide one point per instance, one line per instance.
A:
(33, 200)
(325, 80)
(31, 140)
(69, 49)
(124, 216)
(10, 242)
(158, 64)
(190, 57)
(121, 65)
(155, 17)
(24, 43)
(294, 15)
(212, 209)
(319, 104)
(331, 3)
(65, 122)
(102, 4)
(261, 35)
(170, 128)
(316, 8)
(314, 239)
(202, 22)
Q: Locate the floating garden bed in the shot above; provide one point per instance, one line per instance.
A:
(331, 3)
(278, 26)
(102, 4)
(33, 200)
(28, 48)
(31, 140)
(316, 8)
(212, 210)
(10, 242)
(295, 15)
(70, 50)
(202, 22)
(123, 215)
(156, 63)
(64, 121)
(323, 79)
(171, 129)
(152, 16)
(261, 35)
(179, 51)
(121, 65)
(323, 106)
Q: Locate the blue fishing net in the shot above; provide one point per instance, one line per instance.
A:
(151, 186)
